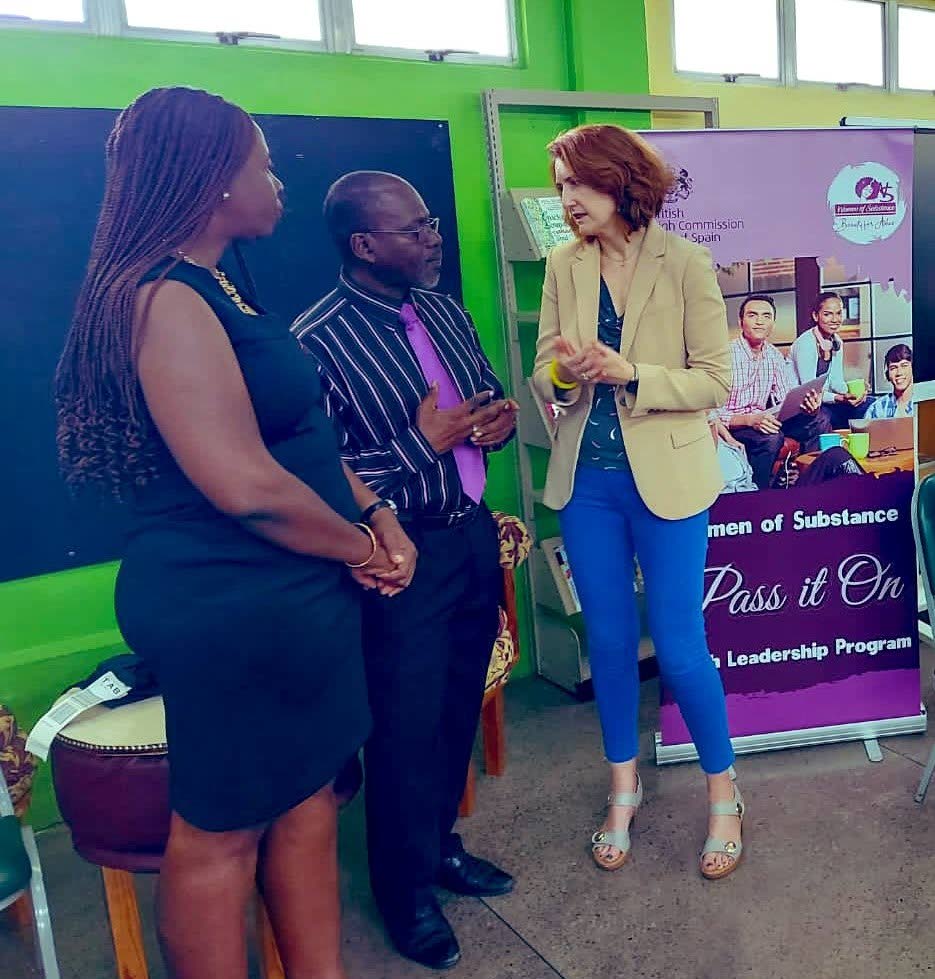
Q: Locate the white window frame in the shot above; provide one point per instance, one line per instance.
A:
(108, 17)
(847, 86)
(788, 75)
(727, 77)
(344, 10)
(895, 45)
(11, 22)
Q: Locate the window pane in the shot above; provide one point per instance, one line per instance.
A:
(734, 279)
(481, 26)
(823, 54)
(833, 274)
(768, 274)
(297, 19)
(67, 10)
(916, 40)
(892, 311)
(727, 37)
(857, 313)
(857, 360)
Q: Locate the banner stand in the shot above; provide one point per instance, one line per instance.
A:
(809, 596)
(866, 731)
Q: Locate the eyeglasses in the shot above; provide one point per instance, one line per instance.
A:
(422, 232)
(890, 450)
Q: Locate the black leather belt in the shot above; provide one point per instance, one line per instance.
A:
(433, 521)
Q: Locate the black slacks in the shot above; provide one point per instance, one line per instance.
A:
(762, 449)
(426, 651)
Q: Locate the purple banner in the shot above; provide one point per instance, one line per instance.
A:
(837, 194)
(810, 585)
(810, 604)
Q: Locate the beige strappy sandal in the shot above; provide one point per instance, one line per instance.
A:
(618, 838)
(733, 848)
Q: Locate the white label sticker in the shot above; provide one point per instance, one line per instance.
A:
(106, 687)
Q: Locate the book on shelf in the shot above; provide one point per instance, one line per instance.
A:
(557, 559)
(546, 219)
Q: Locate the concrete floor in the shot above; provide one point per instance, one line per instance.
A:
(838, 881)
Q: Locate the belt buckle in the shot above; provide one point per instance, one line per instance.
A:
(463, 516)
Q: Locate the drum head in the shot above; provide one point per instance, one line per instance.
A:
(141, 725)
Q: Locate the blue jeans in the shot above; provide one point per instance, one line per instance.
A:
(603, 525)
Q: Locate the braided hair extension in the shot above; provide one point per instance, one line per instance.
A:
(170, 157)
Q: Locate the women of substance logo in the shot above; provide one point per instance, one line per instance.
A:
(865, 202)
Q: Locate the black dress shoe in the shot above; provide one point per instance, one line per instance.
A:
(463, 873)
(425, 936)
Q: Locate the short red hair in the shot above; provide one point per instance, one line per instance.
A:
(618, 162)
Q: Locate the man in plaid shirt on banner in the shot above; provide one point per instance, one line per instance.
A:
(762, 380)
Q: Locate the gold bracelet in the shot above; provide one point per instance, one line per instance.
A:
(557, 381)
(364, 529)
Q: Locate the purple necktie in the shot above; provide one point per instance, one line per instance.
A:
(469, 458)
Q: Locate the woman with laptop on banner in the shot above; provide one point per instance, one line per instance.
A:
(633, 347)
(819, 352)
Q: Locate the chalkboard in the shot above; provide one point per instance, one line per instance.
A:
(51, 182)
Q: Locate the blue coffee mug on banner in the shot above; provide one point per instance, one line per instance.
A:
(828, 441)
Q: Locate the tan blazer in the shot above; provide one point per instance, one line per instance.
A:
(675, 331)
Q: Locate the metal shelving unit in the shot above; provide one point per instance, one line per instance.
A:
(556, 646)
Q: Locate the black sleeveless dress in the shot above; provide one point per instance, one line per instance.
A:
(257, 649)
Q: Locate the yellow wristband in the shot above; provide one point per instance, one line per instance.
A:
(557, 381)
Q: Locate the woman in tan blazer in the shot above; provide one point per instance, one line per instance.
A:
(633, 349)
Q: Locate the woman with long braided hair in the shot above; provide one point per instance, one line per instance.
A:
(180, 394)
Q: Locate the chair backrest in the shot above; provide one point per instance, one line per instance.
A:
(923, 525)
(17, 766)
(6, 803)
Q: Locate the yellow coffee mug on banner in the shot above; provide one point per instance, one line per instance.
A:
(857, 388)
(857, 443)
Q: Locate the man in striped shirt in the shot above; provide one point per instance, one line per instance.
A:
(417, 407)
(761, 382)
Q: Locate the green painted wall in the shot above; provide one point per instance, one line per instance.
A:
(54, 628)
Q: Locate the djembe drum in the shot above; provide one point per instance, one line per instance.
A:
(110, 768)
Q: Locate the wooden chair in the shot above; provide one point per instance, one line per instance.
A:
(22, 888)
(515, 544)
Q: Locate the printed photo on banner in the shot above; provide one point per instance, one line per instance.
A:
(810, 587)
(822, 375)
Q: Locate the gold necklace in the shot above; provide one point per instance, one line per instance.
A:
(627, 258)
(229, 288)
